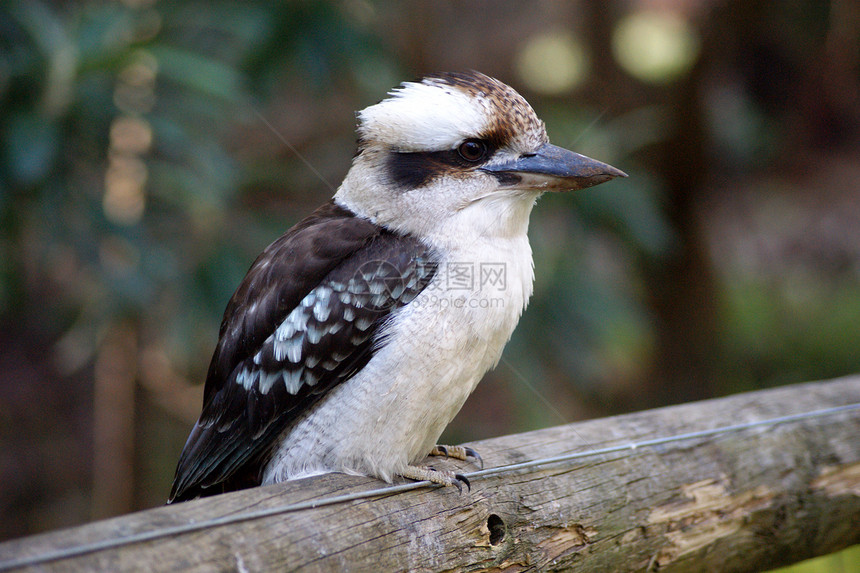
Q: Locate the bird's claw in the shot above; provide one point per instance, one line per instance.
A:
(461, 478)
(441, 477)
(459, 453)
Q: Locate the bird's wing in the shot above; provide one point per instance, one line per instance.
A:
(302, 321)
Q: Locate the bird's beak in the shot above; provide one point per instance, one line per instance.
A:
(552, 168)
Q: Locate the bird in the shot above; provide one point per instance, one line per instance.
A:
(356, 337)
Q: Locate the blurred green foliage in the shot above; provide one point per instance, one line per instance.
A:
(189, 74)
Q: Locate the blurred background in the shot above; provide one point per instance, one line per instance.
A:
(150, 150)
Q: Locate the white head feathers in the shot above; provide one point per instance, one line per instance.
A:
(423, 117)
(439, 112)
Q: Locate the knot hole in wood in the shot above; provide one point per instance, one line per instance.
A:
(497, 529)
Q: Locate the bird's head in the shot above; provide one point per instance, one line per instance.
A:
(458, 152)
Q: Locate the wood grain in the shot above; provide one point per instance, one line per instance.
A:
(739, 501)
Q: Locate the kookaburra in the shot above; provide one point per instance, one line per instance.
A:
(357, 336)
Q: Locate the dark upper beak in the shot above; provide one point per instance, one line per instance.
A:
(553, 168)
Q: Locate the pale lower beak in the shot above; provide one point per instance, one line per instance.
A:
(553, 168)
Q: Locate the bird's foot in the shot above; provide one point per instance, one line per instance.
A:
(458, 453)
(442, 477)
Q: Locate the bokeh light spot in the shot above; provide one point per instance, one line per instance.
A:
(655, 46)
(552, 63)
(125, 198)
(131, 135)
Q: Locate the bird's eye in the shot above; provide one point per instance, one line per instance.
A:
(473, 150)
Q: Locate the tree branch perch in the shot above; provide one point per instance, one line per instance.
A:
(744, 500)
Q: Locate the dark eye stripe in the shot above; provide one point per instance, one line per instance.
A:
(412, 170)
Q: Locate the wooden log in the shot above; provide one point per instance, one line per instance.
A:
(743, 500)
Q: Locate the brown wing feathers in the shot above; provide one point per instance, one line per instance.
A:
(303, 320)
